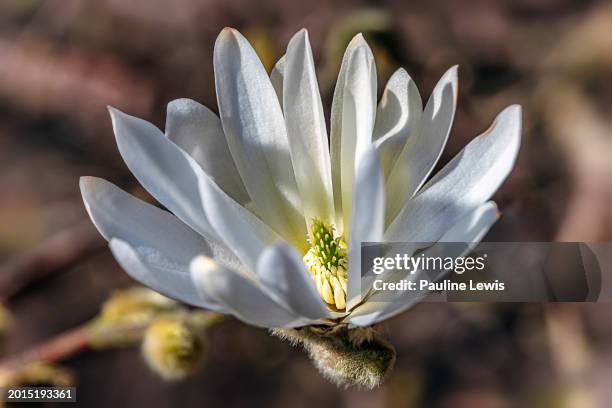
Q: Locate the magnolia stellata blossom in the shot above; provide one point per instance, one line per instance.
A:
(265, 216)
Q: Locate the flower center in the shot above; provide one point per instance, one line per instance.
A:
(327, 262)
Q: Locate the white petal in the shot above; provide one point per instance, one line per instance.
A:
(466, 182)
(255, 129)
(239, 229)
(197, 130)
(398, 117)
(306, 130)
(277, 78)
(117, 214)
(473, 227)
(178, 182)
(120, 216)
(352, 121)
(422, 151)
(243, 297)
(167, 172)
(281, 269)
(470, 230)
(168, 276)
(367, 220)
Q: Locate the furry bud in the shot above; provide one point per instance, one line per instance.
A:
(125, 314)
(134, 305)
(358, 357)
(173, 347)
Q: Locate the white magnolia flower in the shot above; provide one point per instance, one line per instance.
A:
(265, 219)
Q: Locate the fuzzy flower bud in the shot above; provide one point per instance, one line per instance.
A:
(125, 314)
(173, 347)
(135, 305)
(349, 358)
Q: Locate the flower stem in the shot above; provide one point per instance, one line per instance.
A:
(55, 349)
(92, 336)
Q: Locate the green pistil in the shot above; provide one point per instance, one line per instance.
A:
(327, 262)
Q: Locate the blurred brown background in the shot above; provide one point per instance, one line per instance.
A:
(63, 61)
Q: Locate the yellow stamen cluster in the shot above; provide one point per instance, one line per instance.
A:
(327, 262)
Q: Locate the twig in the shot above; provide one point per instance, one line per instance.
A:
(582, 134)
(94, 336)
(54, 254)
(52, 350)
(570, 353)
